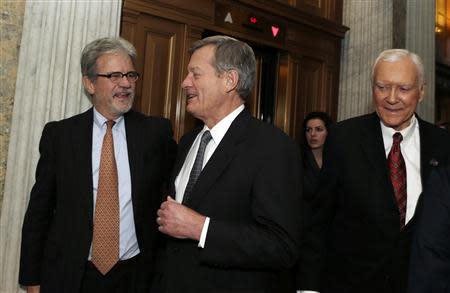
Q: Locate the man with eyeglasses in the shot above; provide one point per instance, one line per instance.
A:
(89, 226)
(374, 169)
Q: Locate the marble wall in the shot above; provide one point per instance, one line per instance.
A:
(11, 21)
(420, 38)
(370, 24)
(48, 87)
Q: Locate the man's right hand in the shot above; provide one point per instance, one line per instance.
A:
(33, 289)
(179, 221)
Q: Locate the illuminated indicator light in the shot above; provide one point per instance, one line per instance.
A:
(253, 19)
(275, 30)
(228, 18)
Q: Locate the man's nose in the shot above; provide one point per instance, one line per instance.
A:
(392, 95)
(124, 82)
(186, 82)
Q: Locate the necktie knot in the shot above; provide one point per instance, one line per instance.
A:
(397, 138)
(206, 137)
(110, 124)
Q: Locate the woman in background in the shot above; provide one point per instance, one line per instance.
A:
(315, 131)
(313, 137)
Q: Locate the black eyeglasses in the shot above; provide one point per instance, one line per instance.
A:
(116, 77)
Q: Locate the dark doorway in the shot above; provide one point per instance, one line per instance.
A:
(261, 103)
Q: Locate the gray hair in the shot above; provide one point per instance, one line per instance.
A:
(99, 47)
(393, 55)
(232, 54)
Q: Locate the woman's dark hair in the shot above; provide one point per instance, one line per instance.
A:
(327, 121)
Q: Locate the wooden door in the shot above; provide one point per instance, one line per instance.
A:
(160, 45)
(305, 84)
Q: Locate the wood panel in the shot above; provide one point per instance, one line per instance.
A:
(305, 85)
(308, 92)
(161, 48)
(199, 12)
(253, 102)
(187, 121)
(194, 8)
(328, 9)
(288, 73)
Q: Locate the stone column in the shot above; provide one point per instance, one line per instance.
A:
(370, 24)
(376, 26)
(48, 87)
(420, 39)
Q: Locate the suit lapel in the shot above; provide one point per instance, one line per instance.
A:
(222, 156)
(426, 151)
(373, 147)
(82, 150)
(427, 161)
(135, 148)
(183, 150)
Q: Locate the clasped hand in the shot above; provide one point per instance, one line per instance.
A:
(179, 221)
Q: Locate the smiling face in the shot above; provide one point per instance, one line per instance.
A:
(396, 92)
(316, 133)
(210, 96)
(111, 99)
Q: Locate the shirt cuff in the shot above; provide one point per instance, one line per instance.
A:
(201, 243)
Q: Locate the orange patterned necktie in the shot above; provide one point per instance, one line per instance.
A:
(105, 243)
(397, 169)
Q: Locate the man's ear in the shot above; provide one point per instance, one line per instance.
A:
(422, 92)
(88, 85)
(232, 78)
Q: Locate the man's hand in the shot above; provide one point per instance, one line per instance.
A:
(33, 289)
(179, 221)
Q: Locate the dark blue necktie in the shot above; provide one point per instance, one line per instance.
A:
(198, 164)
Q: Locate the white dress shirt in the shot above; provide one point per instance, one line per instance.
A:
(217, 132)
(128, 246)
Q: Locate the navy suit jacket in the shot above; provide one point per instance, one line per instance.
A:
(430, 254)
(250, 190)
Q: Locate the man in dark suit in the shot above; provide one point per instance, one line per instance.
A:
(430, 252)
(374, 166)
(231, 226)
(81, 194)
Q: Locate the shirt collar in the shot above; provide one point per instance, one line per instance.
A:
(407, 132)
(100, 120)
(220, 129)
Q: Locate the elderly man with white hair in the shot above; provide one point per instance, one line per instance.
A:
(374, 167)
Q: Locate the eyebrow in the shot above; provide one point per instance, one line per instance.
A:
(194, 68)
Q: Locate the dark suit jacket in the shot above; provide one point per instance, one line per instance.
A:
(354, 243)
(311, 172)
(250, 190)
(430, 253)
(57, 230)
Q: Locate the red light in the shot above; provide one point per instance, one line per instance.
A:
(275, 31)
(253, 19)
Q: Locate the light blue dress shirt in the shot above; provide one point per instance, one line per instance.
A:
(128, 245)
